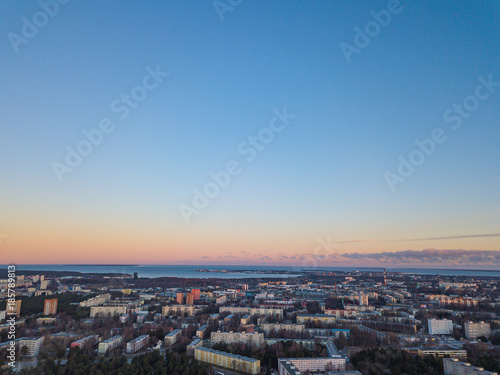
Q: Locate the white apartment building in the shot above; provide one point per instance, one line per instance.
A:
(107, 311)
(96, 301)
(252, 311)
(336, 363)
(440, 327)
(33, 345)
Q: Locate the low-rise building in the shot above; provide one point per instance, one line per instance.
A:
(200, 332)
(110, 344)
(194, 344)
(137, 344)
(173, 337)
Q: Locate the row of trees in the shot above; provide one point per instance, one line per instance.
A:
(378, 361)
(83, 363)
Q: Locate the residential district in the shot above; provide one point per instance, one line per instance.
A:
(318, 323)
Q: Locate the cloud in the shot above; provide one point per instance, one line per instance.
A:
(417, 257)
(487, 235)
(448, 237)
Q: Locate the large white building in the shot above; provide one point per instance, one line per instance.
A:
(32, 345)
(474, 330)
(440, 327)
(453, 366)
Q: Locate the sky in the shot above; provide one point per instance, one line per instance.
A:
(250, 132)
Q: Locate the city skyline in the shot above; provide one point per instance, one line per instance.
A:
(264, 133)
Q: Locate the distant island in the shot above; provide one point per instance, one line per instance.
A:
(252, 272)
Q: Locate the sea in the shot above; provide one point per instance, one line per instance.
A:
(232, 272)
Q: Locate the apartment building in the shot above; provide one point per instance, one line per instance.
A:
(453, 366)
(32, 345)
(452, 353)
(303, 318)
(96, 301)
(297, 328)
(475, 330)
(252, 311)
(137, 344)
(191, 347)
(85, 342)
(200, 332)
(440, 327)
(50, 307)
(173, 337)
(304, 365)
(110, 344)
(188, 310)
(338, 313)
(107, 311)
(237, 338)
(227, 360)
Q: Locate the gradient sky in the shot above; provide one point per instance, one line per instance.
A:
(322, 177)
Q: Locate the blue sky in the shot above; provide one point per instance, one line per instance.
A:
(323, 175)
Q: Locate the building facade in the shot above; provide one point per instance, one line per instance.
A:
(475, 330)
(137, 344)
(50, 307)
(453, 366)
(110, 344)
(237, 338)
(227, 360)
(440, 327)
